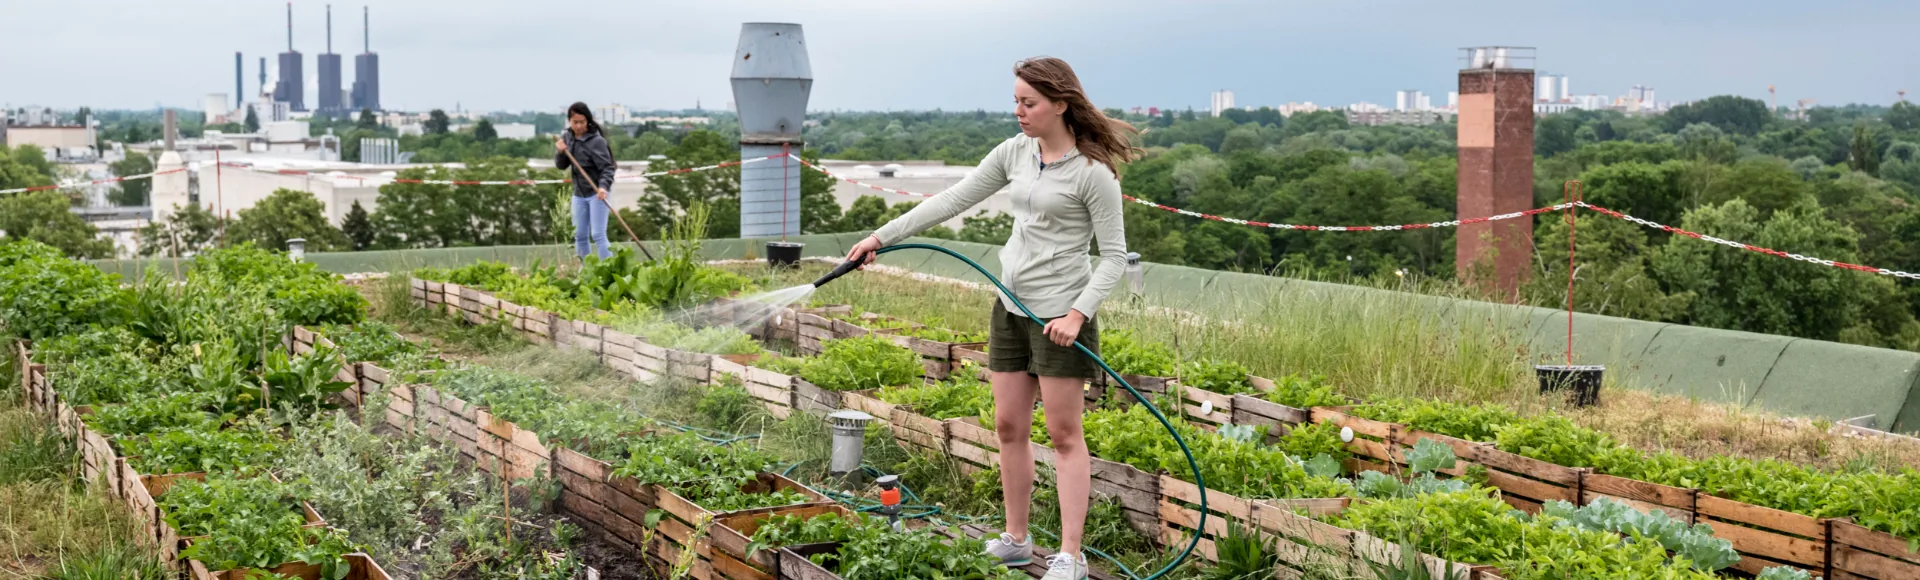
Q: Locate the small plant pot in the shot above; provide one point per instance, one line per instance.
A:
(783, 253)
(1580, 383)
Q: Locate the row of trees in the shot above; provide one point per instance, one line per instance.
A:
(1842, 184)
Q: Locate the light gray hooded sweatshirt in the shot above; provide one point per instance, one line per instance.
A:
(1058, 209)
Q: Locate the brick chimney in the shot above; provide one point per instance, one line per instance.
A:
(1496, 168)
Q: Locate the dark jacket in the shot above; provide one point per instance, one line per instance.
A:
(596, 160)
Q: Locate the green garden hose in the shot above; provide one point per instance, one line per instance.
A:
(1198, 481)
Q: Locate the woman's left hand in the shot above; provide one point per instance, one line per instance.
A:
(603, 193)
(1064, 330)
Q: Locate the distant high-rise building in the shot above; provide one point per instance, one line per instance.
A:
(1545, 82)
(1408, 100)
(613, 114)
(1453, 99)
(329, 68)
(1222, 100)
(1426, 103)
(366, 70)
(292, 88)
(1565, 94)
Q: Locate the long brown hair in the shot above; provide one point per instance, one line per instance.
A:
(1103, 139)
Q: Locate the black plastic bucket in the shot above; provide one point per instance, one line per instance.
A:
(783, 253)
(1581, 383)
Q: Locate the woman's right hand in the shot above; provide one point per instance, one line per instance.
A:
(559, 144)
(864, 250)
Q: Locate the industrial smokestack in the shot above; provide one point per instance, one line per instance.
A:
(169, 128)
(366, 30)
(289, 27)
(329, 29)
(263, 75)
(239, 90)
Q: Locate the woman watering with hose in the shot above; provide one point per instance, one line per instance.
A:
(582, 143)
(1061, 175)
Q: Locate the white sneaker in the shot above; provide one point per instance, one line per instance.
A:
(1064, 566)
(1011, 553)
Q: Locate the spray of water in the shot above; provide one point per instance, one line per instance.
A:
(747, 312)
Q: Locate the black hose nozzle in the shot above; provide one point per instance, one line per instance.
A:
(838, 271)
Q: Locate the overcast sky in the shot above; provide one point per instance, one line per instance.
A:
(955, 55)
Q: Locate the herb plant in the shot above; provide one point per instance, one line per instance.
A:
(1244, 469)
(1217, 376)
(1128, 354)
(861, 363)
(1304, 393)
(961, 394)
(1470, 422)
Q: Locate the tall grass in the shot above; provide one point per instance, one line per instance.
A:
(1367, 343)
(50, 525)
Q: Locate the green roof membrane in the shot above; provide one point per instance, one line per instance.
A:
(1839, 381)
(1722, 366)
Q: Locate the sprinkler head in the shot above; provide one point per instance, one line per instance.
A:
(838, 271)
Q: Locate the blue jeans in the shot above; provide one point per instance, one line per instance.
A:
(590, 226)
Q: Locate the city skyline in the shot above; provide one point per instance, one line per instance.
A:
(497, 55)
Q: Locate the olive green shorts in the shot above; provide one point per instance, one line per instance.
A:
(1016, 344)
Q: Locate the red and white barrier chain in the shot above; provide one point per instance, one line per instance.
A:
(1189, 213)
(1248, 221)
(1448, 224)
(823, 171)
(1748, 247)
(90, 183)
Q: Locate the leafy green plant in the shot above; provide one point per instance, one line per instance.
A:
(874, 551)
(1128, 354)
(371, 341)
(961, 394)
(938, 334)
(190, 450)
(198, 508)
(303, 382)
(44, 294)
(534, 405)
(786, 365)
(861, 363)
(677, 278)
(793, 530)
(89, 368)
(659, 331)
(1784, 573)
(483, 274)
(711, 476)
(1245, 469)
(250, 522)
(181, 410)
(727, 403)
(1426, 458)
(1304, 393)
(1697, 543)
(299, 292)
(1553, 439)
(1313, 439)
(1475, 527)
(1218, 376)
(1244, 554)
(1470, 422)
